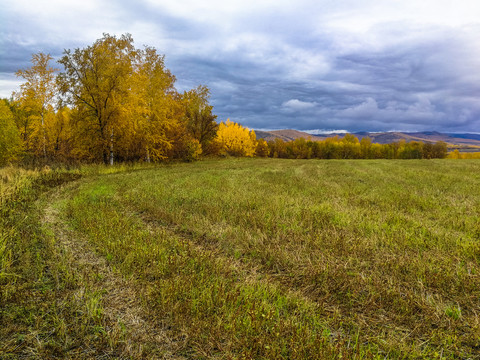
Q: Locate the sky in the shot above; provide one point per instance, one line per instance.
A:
(317, 65)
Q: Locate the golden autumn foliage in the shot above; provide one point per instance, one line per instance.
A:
(236, 140)
(114, 102)
(10, 145)
(35, 101)
(152, 107)
(349, 147)
(466, 155)
(262, 149)
(96, 81)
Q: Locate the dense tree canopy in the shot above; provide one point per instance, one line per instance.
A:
(10, 142)
(236, 140)
(349, 147)
(153, 106)
(114, 102)
(96, 82)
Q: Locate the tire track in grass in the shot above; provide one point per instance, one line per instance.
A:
(117, 300)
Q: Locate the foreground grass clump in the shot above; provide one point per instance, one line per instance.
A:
(285, 259)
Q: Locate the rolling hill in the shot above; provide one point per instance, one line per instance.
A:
(464, 140)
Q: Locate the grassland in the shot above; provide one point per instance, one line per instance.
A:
(250, 258)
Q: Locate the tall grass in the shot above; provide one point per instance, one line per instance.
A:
(15, 186)
(224, 309)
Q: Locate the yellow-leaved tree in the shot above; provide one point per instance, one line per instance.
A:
(153, 106)
(236, 140)
(262, 149)
(96, 81)
(61, 134)
(35, 99)
(10, 145)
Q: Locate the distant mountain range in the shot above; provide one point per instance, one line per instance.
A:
(464, 141)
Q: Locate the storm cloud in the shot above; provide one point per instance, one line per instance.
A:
(352, 65)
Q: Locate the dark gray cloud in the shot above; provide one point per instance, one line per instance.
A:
(354, 65)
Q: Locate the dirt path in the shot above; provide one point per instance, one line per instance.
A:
(139, 335)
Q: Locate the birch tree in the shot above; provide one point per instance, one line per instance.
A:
(35, 99)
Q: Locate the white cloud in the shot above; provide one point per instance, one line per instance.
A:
(8, 82)
(298, 105)
(360, 16)
(325, 132)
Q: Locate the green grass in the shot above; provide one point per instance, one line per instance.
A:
(31, 270)
(269, 259)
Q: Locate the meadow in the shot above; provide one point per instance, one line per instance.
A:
(242, 259)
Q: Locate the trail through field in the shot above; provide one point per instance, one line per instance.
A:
(117, 299)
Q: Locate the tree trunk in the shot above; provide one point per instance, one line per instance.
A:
(148, 154)
(44, 138)
(111, 148)
(105, 155)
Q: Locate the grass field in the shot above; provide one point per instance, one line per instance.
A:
(243, 259)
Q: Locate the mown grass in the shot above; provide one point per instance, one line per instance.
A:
(280, 259)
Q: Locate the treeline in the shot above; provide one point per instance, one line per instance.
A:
(349, 147)
(111, 102)
(114, 102)
(455, 154)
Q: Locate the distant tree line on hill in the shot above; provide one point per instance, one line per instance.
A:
(455, 154)
(349, 147)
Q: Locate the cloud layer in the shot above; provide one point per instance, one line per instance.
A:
(354, 65)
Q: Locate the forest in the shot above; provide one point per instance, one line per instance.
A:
(113, 102)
